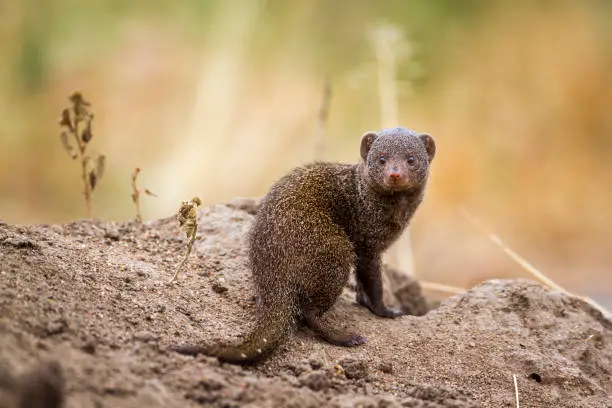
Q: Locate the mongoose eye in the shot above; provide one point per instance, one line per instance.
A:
(411, 159)
(382, 160)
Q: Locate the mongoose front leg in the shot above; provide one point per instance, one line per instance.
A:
(369, 286)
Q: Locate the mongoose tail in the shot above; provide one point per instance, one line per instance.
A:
(270, 330)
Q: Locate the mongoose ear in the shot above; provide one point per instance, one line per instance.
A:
(430, 145)
(366, 142)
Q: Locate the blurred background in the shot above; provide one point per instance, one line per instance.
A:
(220, 98)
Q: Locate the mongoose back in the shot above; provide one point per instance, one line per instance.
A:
(314, 226)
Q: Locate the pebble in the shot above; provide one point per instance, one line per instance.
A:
(316, 380)
(219, 285)
(144, 336)
(354, 368)
(112, 235)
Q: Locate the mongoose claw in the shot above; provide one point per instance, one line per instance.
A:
(356, 340)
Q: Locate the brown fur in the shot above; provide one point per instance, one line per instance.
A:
(319, 222)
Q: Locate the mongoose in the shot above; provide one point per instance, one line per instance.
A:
(315, 225)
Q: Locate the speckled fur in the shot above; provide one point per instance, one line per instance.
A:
(317, 224)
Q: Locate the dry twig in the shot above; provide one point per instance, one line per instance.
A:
(136, 193)
(440, 287)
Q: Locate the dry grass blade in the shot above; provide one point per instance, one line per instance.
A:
(439, 287)
(322, 121)
(520, 260)
(529, 267)
(516, 391)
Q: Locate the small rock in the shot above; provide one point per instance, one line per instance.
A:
(298, 368)
(89, 347)
(144, 336)
(386, 367)
(354, 368)
(316, 380)
(212, 382)
(56, 327)
(20, 243)
(387, 401)
(113, 235)
(219, 285)
(315, 362)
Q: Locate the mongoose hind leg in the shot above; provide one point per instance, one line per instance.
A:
(369, 286)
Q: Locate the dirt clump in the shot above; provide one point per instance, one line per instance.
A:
(93, 297)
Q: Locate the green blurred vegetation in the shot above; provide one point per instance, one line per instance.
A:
(219, 98)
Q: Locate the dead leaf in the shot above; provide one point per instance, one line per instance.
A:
(86, 134)
(67, 146)
(100, 166)
(65, 119)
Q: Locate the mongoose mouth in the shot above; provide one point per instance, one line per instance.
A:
(397, 184)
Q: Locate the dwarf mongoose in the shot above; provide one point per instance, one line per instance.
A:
(319, 222)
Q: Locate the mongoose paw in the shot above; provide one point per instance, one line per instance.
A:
(348, 340)
(355, 340)
(386, 312)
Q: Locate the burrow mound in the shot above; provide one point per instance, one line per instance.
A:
(93, 297)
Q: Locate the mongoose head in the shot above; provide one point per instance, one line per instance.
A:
(397, 159)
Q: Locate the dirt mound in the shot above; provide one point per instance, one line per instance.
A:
(93, 297)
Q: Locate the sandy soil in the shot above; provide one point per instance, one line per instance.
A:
(86, 317)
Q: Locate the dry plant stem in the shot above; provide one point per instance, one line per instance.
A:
(387, 42)
(322, 121)
(530, 268)
(516, 391)
(86, 188)
(189, 246)
(136, 195)
(439, 287)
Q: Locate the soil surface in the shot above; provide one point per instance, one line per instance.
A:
(87, 315)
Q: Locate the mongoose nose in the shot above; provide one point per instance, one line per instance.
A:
(394, 175)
